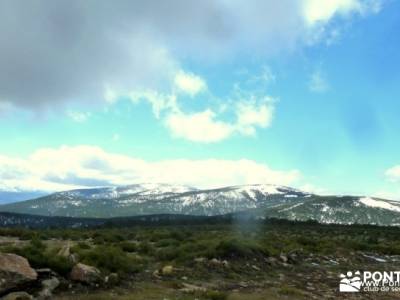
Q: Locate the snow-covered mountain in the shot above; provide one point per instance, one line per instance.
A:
(144, 199)
(261, 201)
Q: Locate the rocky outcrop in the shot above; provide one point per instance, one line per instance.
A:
(49, 285)
(14, 271)
(85, 274)
(18, 296)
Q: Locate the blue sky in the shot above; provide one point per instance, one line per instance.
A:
(301, 93)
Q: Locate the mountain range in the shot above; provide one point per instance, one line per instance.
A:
(259, 200)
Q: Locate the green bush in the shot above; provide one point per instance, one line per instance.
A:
(168, 253)
(128, 246)
(146, 248)
(110, 259)
(238, 248)
(39, 257)
(216, 295)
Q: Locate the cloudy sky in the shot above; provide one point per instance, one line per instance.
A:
(207, 93)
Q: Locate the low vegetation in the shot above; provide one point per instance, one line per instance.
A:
(225, 259)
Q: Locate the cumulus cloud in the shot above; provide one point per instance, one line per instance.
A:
(252, 114)
(317, 11)
(247, 110)
(199, 127)
(53, 169)
(53, 52)
(189, 83)
(208, 126)
(393, 173)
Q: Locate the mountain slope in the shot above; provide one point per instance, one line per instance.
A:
(340, 210)
(156, 199)
(259, 201)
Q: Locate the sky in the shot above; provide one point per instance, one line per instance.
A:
(204, 93)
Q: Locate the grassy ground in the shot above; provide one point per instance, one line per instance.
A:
(223, 262)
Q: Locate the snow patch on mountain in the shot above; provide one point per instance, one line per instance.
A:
(379, 203)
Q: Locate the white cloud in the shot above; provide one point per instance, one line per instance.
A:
(318, 82)
(198, 127)
(189, 83)
(207, 126)
(248, 111)
(88, 166)
(251, 114)
(160, 102)
(322, 11)
(77, 116)
(393, 174)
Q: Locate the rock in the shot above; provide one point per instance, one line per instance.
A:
(293, 258)
(111, 279)
(156, 274)
(283, 258)
(18, 296)
(255, 268)
(191, 288)
(225, 263)
(271, 260)
(167, 270)
(14, 271)
(200, 259)
(86, 274)
(73, 258)
(215, 262)
(49, 285)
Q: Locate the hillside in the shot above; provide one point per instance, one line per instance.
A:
(259, 201)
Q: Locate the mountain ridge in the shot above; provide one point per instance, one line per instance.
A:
(262, 200)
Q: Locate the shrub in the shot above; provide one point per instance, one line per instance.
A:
(146, 248)
(128, 246)
(38, 256)
(216, 295)
(166, 243)
(110, 259)
(169, 253)
(235, 248)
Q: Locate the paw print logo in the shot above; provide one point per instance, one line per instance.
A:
(350, 282)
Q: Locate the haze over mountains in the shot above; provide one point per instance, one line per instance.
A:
(259, 201)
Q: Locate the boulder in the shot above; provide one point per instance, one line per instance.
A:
(283, 258)
(49, 285)
(14, 271)
(167, 270)
(218, 263)
(18, 296)
(86, 274)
